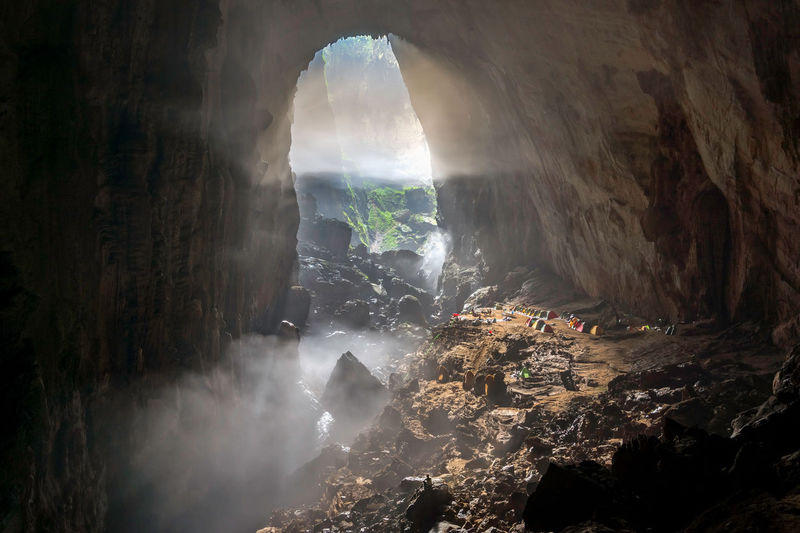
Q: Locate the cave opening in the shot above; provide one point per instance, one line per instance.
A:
(369, 248)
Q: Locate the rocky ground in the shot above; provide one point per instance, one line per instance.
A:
(489, 407)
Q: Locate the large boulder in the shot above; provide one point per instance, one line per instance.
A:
(428, 505)
(409, 310)
(352, 392)
(483, 297)
(289, 340)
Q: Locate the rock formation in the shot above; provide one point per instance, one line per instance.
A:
(352, 392)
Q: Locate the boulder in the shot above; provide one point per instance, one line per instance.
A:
(289, 340)
(352, 392)
(409, 309)
(428, 505)
(483, 297)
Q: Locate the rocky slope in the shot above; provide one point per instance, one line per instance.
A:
(495, 411)
(646, 151)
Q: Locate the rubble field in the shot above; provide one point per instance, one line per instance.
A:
(485, 417)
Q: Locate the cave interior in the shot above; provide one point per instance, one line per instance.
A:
(587, 319)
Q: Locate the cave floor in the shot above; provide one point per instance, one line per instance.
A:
(491, 451)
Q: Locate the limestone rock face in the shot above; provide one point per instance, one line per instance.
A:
(645, 151)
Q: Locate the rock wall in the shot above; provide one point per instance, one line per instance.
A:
(140, 233)
(645, 150)
(642, 150)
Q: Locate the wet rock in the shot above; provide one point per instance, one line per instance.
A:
(409, 310)
(352, 391)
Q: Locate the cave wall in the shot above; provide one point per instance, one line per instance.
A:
(141, 233)
(645, 150)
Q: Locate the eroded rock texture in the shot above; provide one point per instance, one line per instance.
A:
(646, 151)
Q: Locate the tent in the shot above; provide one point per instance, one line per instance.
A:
(551, 315)
(545, 327)
(469, 380)
(596, 330)
(579, 326)
(538, 324)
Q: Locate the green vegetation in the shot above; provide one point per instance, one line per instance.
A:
(386, 217)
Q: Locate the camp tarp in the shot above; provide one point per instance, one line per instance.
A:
(596, 330)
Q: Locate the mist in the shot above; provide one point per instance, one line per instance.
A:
(353, 115)
(216, 451)
(433, 256)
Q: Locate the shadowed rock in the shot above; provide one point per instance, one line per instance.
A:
(352, 392)
(410, 310)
